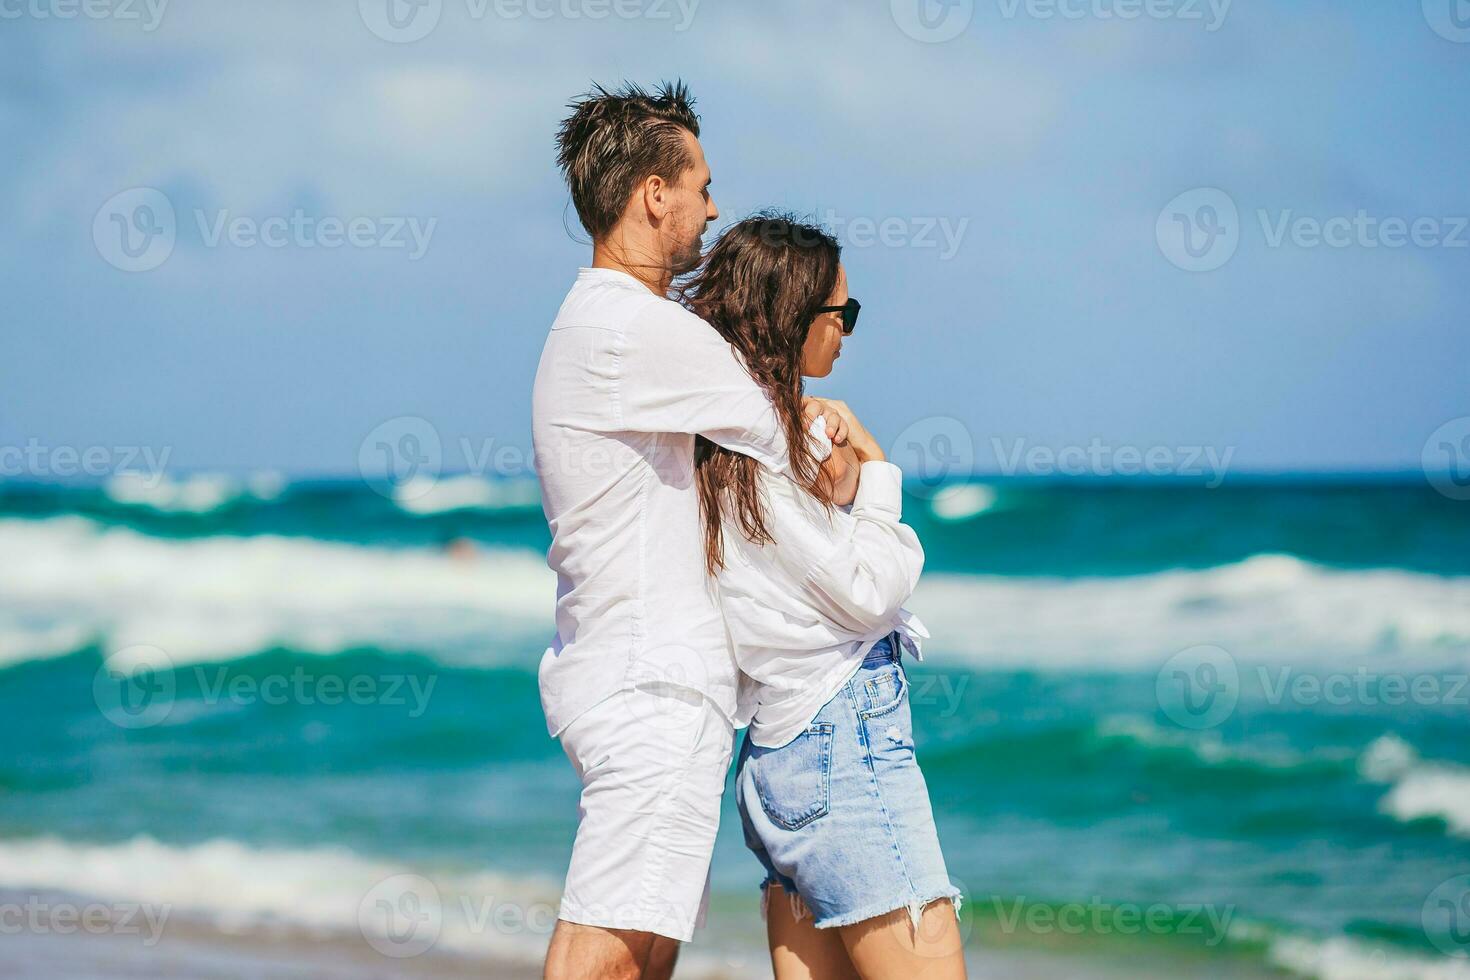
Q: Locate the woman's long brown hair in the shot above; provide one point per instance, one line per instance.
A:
(760, 288)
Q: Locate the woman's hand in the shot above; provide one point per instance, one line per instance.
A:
(812, 408)
(858, 437)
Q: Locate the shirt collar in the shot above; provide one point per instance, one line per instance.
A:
(615, 277)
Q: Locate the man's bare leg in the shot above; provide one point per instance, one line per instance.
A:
(661, 957)
(579, 952)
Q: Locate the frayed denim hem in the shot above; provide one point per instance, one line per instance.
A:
(799, 910)
(915, 907)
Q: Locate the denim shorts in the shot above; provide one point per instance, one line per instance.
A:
(840, 815)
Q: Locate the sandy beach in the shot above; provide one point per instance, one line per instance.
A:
(190, 947)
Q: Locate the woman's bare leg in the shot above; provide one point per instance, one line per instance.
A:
(799, 950)
(888, 947)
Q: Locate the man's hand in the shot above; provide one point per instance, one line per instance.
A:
(855, 434)
(812, 407)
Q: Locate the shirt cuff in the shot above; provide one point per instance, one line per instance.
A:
(880, 489)
(817, 437)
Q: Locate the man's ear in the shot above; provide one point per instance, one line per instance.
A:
(656, 197)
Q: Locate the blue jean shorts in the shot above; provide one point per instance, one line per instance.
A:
(840, 815)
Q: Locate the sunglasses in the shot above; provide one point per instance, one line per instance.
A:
(849, 311)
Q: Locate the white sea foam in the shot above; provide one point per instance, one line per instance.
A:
(325, 890)
(20, 640)
(963, 501)
(225, 596)
(1268, 609)
(66, 579)
(1431, 791)
(329, 891)
(421, 495)
(332, 891)
(1387, 759)
(1209, 747)
(1340, 958)
(1419, 789)
(200, 493)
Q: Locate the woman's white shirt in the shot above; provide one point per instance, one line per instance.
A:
(804, 609)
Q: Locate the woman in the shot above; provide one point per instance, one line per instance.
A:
(831, 798)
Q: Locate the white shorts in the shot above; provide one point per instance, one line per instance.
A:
(652, 764)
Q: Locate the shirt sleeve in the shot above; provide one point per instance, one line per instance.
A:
(875, 564)
(677, 374)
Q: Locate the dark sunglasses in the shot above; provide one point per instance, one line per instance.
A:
(849, 311)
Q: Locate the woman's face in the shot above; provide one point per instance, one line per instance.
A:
(824, 340)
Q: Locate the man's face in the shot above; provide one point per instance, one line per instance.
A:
(691, 210)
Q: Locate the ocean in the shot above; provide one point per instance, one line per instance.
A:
(1168, 730)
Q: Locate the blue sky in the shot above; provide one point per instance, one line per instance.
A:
(1025, 286)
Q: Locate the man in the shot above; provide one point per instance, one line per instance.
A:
(639, 684)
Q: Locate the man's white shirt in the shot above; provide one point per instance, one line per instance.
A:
(626, 381)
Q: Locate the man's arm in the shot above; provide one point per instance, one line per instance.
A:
(676, 373)
(842, 469)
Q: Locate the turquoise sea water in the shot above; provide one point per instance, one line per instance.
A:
(342, 688)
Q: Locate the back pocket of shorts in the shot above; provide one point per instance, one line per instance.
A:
(792, 781)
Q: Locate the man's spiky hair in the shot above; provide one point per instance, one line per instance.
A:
(613, 141)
